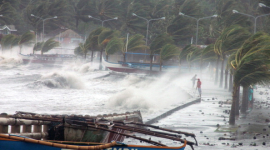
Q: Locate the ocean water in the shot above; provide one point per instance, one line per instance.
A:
(80, 88)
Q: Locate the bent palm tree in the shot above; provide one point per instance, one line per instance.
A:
(26, 38)
(230, 39)
(156, 46)
(103, 38)
(167, 52)
(114, 45)
(134, 43)
(45, 46)
(251, 66)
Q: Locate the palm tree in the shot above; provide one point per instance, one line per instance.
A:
(157, 44)
(103, 38)
(230, 39)
(251, 66)
(167, 52)
(183, 55)
(46, 46)
(37, 47)
(134, 43)
(7, 41)
(26, 38)
(93, 40)
(114, 45)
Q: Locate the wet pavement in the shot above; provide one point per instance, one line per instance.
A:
(208, 120)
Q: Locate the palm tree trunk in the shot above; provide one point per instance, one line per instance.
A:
(151, 61)
(85, 56)
(160, 65)
(100, 60)
(216, 78)
(124, 57)
(226, 79)
(92, 56)
(234, 97)
(237, 102)
(244, 106)
(221, 73)
(20, 48)
(230, 81)
(107, 57)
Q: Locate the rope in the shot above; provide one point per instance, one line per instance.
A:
(108, 145)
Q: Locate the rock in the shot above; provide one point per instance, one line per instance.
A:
(201, 132)
(217, 125)
(263, 143)
(254, 137)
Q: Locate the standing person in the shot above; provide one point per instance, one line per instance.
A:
(193, 80)
(199, 83)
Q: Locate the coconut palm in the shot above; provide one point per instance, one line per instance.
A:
(114, 45)
(251, 66)
(103, 38)
(157, 44)
(194, 56)
(134, 43)
(37, 47)
(167, 52)
(7, 41)
(93, 40)
(184, 53)
(207, 56)
(46, 46)
(26, 38)
(230, 39)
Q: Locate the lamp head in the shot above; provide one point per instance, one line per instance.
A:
(215, 16)
(32, 15)
(235, 11)
(182, 14)
(262, 5)
(133, 14)
(163, 18)
(90, 16)
(55, 17)
(115, 18)
(1, 15)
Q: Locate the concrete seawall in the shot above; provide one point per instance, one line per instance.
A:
(151, 121)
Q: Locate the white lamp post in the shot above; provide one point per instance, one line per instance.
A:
(102, 21)
(148, 21)
(43, 20)
(263, 5)
(255, 18)
(197, 19)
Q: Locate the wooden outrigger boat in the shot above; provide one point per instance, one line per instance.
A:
(47, 58)
(70, 132)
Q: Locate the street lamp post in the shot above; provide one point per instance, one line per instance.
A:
(197, 19)
(43, 20)
(263, 5)
(255, 18)
(102, 21)
(148, 21)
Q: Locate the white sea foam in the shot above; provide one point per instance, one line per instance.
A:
(61, 79)
(148, 95)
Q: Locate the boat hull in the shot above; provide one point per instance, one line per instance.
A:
(8, 144)
(46, 58)
(139, 68)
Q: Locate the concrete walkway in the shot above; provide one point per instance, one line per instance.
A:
(208, 120)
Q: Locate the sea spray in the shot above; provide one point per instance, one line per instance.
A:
(147, 94)
(60, 79)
